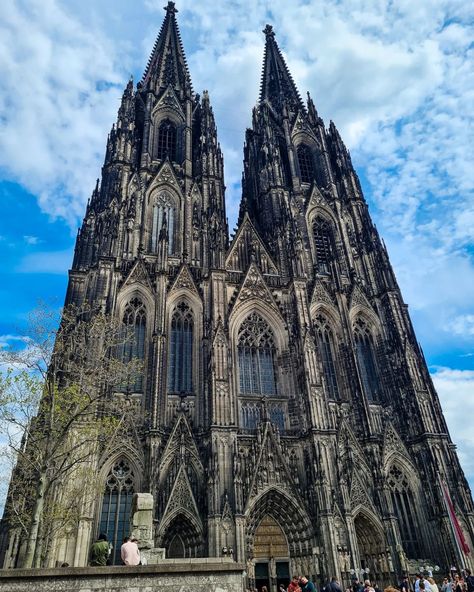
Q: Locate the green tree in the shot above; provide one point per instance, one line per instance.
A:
(57, 409)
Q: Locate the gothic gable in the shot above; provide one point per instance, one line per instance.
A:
(349, 446)
(165, 176)
(317, 199)
(359, 299)
(359, 493)
(255, 288)
(247, 243)
(138, 275)
(321, 295)
(301, 126)
(271, 468)
(184, 281)
(182, 446)
(393, 446)
(169, 102)
(181, 500)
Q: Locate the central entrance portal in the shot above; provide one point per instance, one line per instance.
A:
(271, 556)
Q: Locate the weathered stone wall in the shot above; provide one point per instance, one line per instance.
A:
(192, 575)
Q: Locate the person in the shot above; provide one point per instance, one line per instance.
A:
(294, 586)
(264, 589)
(368, 587)
(357, 586)
(129, 552)
(458, 585)
(282, 588)
(306, 585)
(469, 580)
(100, 551)
(447, 585)
(405, 584)
(433, 585)
(334, 586)
(376, 588)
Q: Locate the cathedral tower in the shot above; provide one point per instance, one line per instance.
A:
(289, 418)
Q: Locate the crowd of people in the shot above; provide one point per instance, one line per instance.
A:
(454, 583)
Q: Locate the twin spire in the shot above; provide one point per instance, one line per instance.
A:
(277, 86)
(167, 66)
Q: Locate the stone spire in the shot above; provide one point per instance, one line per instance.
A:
(167, 64)
(277, 85)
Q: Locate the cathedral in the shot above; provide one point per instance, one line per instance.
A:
(292, 423)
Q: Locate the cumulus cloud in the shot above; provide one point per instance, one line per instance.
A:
(60, 88)
(456, 393)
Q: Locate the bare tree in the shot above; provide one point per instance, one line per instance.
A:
(57, 410)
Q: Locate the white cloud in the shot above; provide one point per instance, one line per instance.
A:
(462, 325)
(60, 91)
(456, 393)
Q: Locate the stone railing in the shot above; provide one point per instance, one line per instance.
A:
(199, 575)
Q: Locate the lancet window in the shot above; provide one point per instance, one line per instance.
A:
(305, 162)
(163, 221)
(166, 144)
(180, 361)
(403, 507)
(256, 349)
(323, 241)
(325, 340)
(116, 506)
(366, 360)
(133, 345)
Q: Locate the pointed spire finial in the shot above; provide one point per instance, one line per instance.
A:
(170, 8)
(269, 32)
(277, 85)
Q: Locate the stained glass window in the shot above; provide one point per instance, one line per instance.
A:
(305, 161)
(166, 145)
(366, 360)
(323, 238)
(256, 349)
(325, 340)
(116, 506)
(403, 506)
(180, 364)
(133, 346)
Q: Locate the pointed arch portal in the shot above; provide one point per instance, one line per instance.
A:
(277, 532)
(373, 549)
(182, 539)
(272, 555)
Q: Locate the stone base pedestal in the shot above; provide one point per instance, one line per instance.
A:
(153, 556)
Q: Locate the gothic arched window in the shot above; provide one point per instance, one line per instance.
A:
(323, 240)
(403, 506)
(366, 360)
(166, 144)
(133, 346)
(325, 340)
(285, 162)
(305, 162)
(256, 347)
(163, 221)
(116, 506)
(180, 361)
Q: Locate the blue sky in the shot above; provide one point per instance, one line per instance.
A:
(396, 78)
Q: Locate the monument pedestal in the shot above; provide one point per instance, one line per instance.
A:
(142, 528)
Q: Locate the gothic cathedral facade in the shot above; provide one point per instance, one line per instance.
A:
(292, 421)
